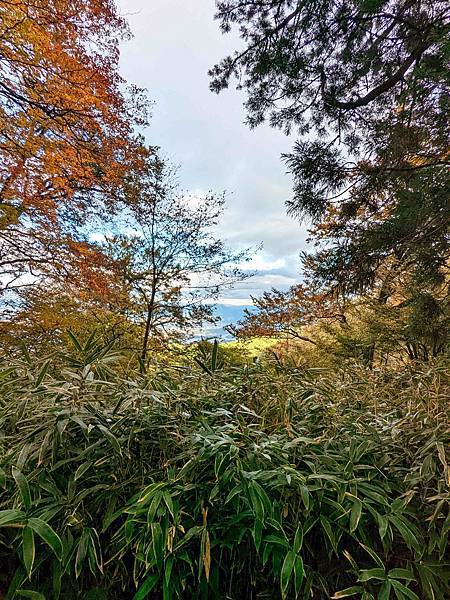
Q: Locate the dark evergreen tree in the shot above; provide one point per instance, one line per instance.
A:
(365, 84)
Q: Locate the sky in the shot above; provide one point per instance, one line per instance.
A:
(175, 43)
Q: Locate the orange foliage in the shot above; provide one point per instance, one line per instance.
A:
(66, 128)
(286, 312)
(91, 273)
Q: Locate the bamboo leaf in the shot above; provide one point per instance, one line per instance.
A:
(385, 591)
(74, 341)
(47, 534)
(42, 373)
(2, 478)
(368, 574)
(28, 549)
(214, 354)
(298, 539)
(286, 572)
(30, 594)
(299, 573)
(146, 587)
(355, 515)
(351, 591)
(23, 486)
(82, 550)
(401, 574)
(403, 590)
(11, 517)
(82, 469)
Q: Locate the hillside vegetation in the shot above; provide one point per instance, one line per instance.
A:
(208, 480)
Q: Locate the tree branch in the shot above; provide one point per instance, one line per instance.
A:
(378, 90)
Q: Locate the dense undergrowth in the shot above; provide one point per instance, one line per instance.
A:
(208, 481)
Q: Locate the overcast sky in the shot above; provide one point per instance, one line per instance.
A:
(174, 44)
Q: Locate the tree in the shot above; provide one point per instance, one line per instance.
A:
(172, 264)
(279, 313)
(310, 59)
(368, 80)
(77, 289)
(67, 140)
(44, 314)
(53, 259)
(412, 323)
(394, 322)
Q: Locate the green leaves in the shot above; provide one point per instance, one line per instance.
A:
(292, 568)
(355, 515)
(299, 573)
(371, 577)
(42, 373)
(368, 574)
(30, 594)
(213, 358)
(351, 591)
(2, 478)
(176, 489)
(23, 486)
(146, 587)
(30, 526)
(401, 574)
(28, 549)
(47, 534)
(401, 591)
(286, 571)
(111, 438)
(298, 539)
(407, 531)
(12, 518)
(82, 550)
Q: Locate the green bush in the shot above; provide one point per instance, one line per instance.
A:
(230, 482)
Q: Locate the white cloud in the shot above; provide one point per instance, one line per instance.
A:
(223, 301)
(260, 262)
(194, 198)
(97, 237)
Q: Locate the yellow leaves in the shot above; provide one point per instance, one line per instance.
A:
(8, 215)
(205, 545)
(171, 532)
(207, 555)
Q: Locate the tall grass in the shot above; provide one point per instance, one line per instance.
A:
(208, 481)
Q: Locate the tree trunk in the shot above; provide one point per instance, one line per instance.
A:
(148, 323)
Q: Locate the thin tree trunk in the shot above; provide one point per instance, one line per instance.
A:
(151, 302)
(148, 323)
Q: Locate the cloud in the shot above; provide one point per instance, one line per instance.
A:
(259, 262)
(174, 45)
(224, 301)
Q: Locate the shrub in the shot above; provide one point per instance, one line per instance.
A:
(221, 482)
